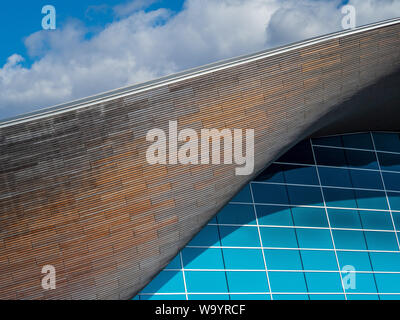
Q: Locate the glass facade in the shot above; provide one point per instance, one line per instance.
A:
(322, 222)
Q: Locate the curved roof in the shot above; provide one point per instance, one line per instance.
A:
(76, 190)
(187, 74)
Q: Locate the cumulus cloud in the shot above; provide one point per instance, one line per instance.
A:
(140, 46)
(303, 19)
(306, 19)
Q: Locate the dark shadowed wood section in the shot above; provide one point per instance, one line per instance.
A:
(76, 191)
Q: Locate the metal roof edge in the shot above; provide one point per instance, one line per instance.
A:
(187, 74)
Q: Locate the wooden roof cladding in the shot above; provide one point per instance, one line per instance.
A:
(76, 191)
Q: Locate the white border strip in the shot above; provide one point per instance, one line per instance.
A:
(217, 66)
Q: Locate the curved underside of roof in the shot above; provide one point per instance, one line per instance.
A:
(76, 191)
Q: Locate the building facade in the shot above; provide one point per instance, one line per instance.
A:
(77, 193)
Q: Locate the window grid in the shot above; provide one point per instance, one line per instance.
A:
(327, 218)
(336, 167)
(183, 274)
(227, 273)
(384, 188)
(259, 236)
(311, 206)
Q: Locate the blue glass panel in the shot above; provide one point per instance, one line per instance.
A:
(328, 282)
(392, 180)
(287, 282)
(175, 263)
(358, 141)
(163, 297)
(274, 215)
(330, 157)
(385, 261)
(300, 153)
(389, 161)
(237, 214)
(199, 281)
(309, 217)
(340, 218)
(364, 282)
(371, 199)
(243, 196)
(387, 141)
(361, 159)
(243, 259)
(319, 260)
(269, 193)
(301, 175)
(305, 195)
(349, 239)
(396, 219)
(250, 297)
(208, 236)
(166, 282)
(335, 177)
(290, 297)
(359, 260)
(274, 173)
(200, 258)
(279, 259)
(388, 282)
(381, 240)
(389, 296)
(366, 179)
(213, 220)
(327, 297)
(239, 236)
(242, 281)
(208, 297)
(377, 220)
(362, 297)
(278, 237)
(310, 238)
(334, 141)
(342, 198)
(394, 200)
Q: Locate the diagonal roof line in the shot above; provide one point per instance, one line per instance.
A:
(184, 75)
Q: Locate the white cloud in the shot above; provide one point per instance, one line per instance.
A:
(369, 11)
(130, 7)
(301, 20)
(145, 45)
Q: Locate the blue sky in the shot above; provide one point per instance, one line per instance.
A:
(107, 44)
(22, 18)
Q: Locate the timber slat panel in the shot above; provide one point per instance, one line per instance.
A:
(76, 190)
